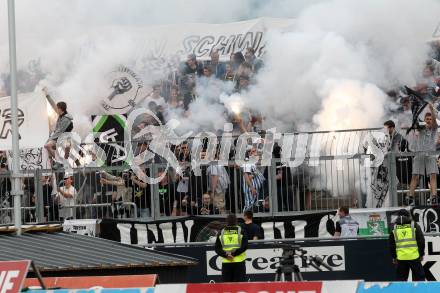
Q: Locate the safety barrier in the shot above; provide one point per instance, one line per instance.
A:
(325, 170)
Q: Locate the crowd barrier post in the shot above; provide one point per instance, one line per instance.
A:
(39, 196)
(273, 194)
(392, 177)
(155, 205)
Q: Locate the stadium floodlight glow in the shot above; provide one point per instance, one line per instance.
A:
(16, 182)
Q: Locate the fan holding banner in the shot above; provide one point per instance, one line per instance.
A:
(424, 145)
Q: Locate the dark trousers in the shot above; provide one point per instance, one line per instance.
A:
(403, 267)
(234, 272)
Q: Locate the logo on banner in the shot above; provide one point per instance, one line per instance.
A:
(265, 261)
(124, 90)
(428, 219)
(431, 265)
(12, 275)
(7, 122)
(375, 225)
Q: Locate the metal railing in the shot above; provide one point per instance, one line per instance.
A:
(330, 170)
(279, 241)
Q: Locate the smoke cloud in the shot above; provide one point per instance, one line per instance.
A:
(338, 51)
(338, 58)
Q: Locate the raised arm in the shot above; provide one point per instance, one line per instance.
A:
(49, 99)
(434, 114)
(138, 182)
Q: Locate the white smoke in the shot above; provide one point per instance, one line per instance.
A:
(207, 112)
(328, 72)
(350, 104)
(2, 89)
(78, 42)
(307, 69)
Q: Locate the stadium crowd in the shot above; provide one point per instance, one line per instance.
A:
(219, 189)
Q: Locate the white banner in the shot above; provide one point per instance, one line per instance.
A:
(431, 260)
(32, 120)
(200, 38)
(161, 49)
(81, 227)
(31, 159)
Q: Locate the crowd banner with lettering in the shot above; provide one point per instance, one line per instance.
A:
(201, 38)
(111, 133)
(200, 229)
(428, 218)
(13, 274)
(375, 222)
(32, 120)
(205, 229)
(163, 48)
(82, 227)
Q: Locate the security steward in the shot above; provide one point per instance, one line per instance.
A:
(231, 246)
(407, 245)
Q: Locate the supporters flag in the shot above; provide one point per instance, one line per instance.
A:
(111, 129)
(417, 106)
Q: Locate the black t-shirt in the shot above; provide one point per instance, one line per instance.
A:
(251, 230)
(167, 194)
(142, 196)
(198, 184)
(5, 192)
(47, 194)
(208, 210)
(338, 227)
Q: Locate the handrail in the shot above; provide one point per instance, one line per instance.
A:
(278, 241)
(91, 205)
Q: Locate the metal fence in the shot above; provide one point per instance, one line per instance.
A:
(325, 171)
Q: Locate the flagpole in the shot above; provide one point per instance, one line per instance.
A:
(16, 181)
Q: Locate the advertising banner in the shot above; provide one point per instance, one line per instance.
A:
(12, 275)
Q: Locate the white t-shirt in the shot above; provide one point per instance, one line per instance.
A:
(223, 177)
(249, 168)
(67, 201)
(349, 230)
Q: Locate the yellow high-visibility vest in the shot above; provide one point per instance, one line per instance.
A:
(406, 243)
(231, 241)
